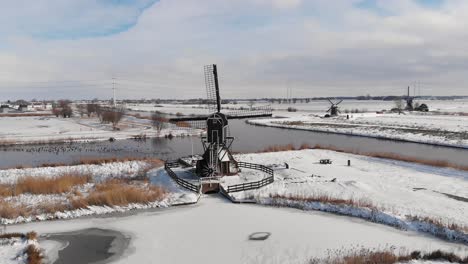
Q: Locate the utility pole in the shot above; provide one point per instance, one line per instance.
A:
(113, 93)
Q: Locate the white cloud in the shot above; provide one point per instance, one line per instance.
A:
(319, 47)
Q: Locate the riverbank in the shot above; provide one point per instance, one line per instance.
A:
(26, 130)
(446, 130)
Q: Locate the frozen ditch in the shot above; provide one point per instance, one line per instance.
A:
(215, 229)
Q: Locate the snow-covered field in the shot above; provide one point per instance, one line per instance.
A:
(450, 106)
(99, 173)
(449, 130)
(13, 250)
(43, 129)
(399, 190)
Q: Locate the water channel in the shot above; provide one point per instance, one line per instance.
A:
(249, 138)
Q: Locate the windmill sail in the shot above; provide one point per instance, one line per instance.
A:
(212, 88)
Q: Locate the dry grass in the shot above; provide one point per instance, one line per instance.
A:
(55, 185)
(118, 193)
(31, 235)
(359, 203)
(13, 211)
(33, 252)
(34, 255)
(438, 223)
(367, 256)
(278, 148)
(11, 235)
(25, 114)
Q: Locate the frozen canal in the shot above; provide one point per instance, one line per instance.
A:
(217, 231)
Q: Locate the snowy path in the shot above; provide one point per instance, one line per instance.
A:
(216, 230)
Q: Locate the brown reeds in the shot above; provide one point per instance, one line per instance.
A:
(34, 255)
(117, 193)
(25, 114)
(11, 235)
(367, 256)
(10, 211)
(54, 185)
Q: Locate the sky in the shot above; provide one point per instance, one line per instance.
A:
(77, 49)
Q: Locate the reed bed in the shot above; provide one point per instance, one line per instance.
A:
(41, 185)
(370, 256)
(383, 155)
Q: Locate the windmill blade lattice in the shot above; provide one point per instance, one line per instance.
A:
(210, 83)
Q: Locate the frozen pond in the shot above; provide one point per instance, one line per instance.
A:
(217, 231)
(249, 138)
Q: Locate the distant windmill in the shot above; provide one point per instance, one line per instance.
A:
(409, 101)
(411, 107)
(217, 159)
(334, 108)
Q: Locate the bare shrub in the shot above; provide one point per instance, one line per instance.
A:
(31, 235)
(34, 255)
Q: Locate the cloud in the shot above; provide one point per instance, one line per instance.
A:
(69, 19)
(318, 47)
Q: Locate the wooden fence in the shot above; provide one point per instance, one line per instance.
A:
(184, 183)
(252, 185)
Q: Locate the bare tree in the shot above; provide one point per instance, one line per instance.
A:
(92, 108)
(63, 108)
(159, 121)
(113, 116)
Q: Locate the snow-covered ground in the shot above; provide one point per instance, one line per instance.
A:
(320, 106)
(43, 129)
(12, 250)
(397, 189)
(99, 173)
(216, 231)
(415, 127)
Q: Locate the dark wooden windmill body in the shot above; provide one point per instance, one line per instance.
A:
(334, 108)
(217, 159)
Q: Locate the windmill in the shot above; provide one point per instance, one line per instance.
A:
(411, 107)
(334, 108)
(217, 159)
(409, 101)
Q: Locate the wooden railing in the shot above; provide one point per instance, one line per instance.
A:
(184, 183)
(252, 185)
